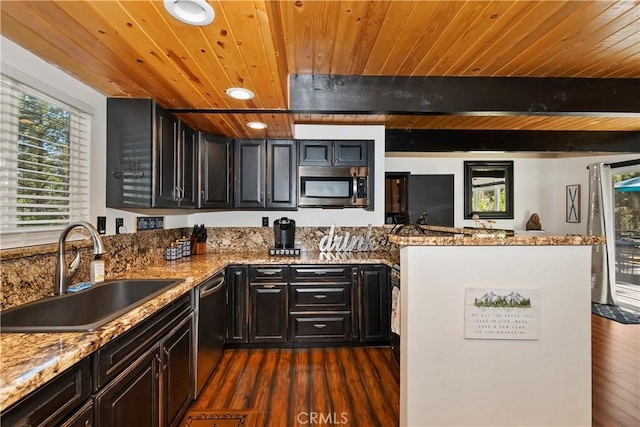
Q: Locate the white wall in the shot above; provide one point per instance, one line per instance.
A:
(573, 171)
(539, 185)
(447, 380)
(531, 179)
(310, 216)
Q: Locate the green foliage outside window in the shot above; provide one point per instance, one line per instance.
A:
(486, 200)
(43, 162)
(627, 208)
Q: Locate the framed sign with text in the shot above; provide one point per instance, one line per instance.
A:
(502, 314)
(573, 203)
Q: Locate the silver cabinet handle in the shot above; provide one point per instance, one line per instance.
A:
(319, 296)
(319, 325)
(212, 287)
(159, 362)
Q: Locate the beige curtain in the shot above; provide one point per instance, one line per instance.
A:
(600, 223)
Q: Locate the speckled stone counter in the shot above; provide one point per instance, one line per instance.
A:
(490, 238)
(27, 361)
(26, 273)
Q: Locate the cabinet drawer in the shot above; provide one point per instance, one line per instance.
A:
(121, 352)
(268, 273)
(52, 403)
(83, 417)
(321, 273)
(334, 327)
(311, 298)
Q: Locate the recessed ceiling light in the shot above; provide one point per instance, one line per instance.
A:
(257, 125)
(239, 93)
(192, 12)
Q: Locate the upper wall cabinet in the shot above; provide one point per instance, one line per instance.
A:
(282, 174)
(150, 156)
(265, 174)
(216, 172)
(334, 153)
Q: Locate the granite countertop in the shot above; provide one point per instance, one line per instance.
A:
(445, 236)
(27, 361)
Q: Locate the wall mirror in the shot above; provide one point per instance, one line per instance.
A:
(488, 189)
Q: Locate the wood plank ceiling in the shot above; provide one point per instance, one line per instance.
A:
(136, 49)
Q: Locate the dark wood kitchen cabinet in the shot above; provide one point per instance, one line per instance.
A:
(237, 304)
(53, 403)
(146, 376)
(268, 320)
(167, 157)
(265, 174)
(268, 303)
(216, 172)
(177, 372)
(375, 303)
(82, 417)
(134, 396)
(282, 174)
(187, 166)
(150, 156)
(321, 303)
(249, 173)
(290, 304)
(334, 153)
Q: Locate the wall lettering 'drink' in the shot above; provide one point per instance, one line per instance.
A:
(346, 243)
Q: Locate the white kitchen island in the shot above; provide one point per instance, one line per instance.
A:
(449, 380)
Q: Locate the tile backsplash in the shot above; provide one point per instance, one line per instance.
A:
(26, 274)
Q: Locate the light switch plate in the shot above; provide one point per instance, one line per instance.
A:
(119, 224)
(101, 225)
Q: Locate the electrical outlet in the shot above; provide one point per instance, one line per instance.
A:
(102, 225)
(265, 221)
(119, 225)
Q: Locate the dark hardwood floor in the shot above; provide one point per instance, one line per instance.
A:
(615, 350)
(358, 385)
(286, 387)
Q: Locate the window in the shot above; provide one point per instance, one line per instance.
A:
(44, 165)
(488, 189)
(626, 216)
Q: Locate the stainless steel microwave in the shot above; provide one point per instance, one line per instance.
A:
(333, 187)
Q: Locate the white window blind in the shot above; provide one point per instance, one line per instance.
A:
(44, 164)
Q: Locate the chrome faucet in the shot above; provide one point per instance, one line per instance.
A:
(64, 273)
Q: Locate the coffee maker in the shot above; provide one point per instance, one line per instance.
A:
(284, 233)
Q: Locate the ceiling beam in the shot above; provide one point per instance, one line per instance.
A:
(439, 140)
(338, 94)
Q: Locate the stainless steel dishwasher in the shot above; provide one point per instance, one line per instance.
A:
(210, 326)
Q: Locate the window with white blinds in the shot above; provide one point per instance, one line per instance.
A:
(44, 164)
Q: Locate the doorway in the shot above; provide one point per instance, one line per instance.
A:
(626, 204)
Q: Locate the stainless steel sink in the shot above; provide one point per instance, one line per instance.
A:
(83, 311)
